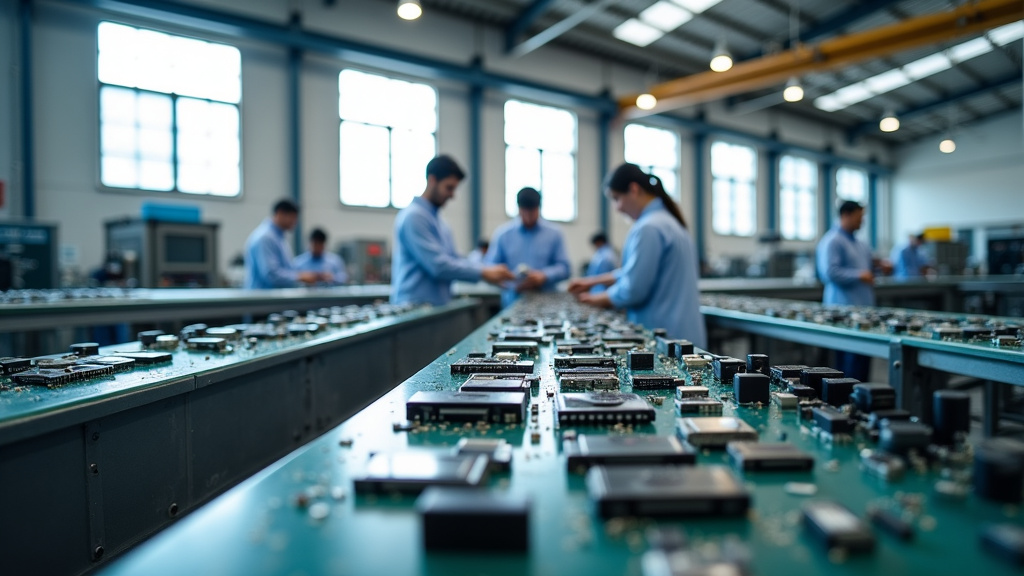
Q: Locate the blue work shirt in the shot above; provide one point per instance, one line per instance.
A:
(603, 262)
(841, 259)
(327, 262)
(423, 260)
(907, 261)
(657, 284)
(539, 248)
(268, 259)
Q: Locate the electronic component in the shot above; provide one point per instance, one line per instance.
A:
(677, 562)
(602, 381)
(496, 383)
(876, 418)
(666, 491)
(148, 337)
(951, 415)
(118, 363)
(166, 342)
(497, 450)
(977, 333)
(758, 363)
(836, 391)
(207, 344)
(701, 406)
(85, 349)
(562, 361)
(695, 361)
(1006, 341)
(896, 327)
(652, 381)
(586, 371)
(786, 401)
(1004, 540)
(640, 360)
(513, 334)
(450, 406)
(881, 465)
(726, 367)
(602, 408)
(871, 396)
(147, 357)
(674, 349)
(518, 347)
(832, 421)
(714, 432)
(801, 391)
(775, 456)
(946, 333)
(414, 471)
(999, 469)
(193, 331)
(835, 526)
(11, 365)
(577, 348)
(901, 437)
(507, 356)
(299, 328)
(751, 387)
(224, 332)
(59, 362)
(490, 365)
(590, 450)
(813, 376)
(473, 519)
(787, 371)
(55, 377)
(691, 392)
(892, 523)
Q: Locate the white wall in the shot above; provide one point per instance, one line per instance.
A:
(66, 125)
(980, 184)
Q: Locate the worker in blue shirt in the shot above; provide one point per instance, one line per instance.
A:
(846, 268)
(477, 254)
(907, 261)
(603, 261)
(657, 283)
(532, 247)
(268, 258)
(424, 262)
(316, 259)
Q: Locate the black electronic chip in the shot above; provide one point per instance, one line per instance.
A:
(415, 470)
(474, 519)
(10, 366)
(207, 344)
(699, 406)
(565, 361)
(601, 381)
(518, 347)
(497, 450)
(640, 360)
(496, 383)
(451, 406)
(836, 527)
(652, 381)
(714, 432)
(147, 357)
(118, 363)
(589, 450)
(666, 491)
(491, 366)
(726, 367)
(599, 408)
(831, 420)
(774, 456)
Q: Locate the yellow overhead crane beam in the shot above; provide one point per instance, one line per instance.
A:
(775, 69)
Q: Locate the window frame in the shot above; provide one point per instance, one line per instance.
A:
(540, 152)
(813, 191)
(733, 182)
(677, 193)
(390, 130)
(174, 191)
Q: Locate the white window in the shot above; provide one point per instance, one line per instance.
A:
(852, 184)
(387, 137)
(733, 189)
(540, 152)
(656, 151)
(798, 191)
(169, 117)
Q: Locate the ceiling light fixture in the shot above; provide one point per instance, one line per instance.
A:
(721, 60)
(409, 9)
(794, 92)
(947, 146)
(889, 122)
(646, 101)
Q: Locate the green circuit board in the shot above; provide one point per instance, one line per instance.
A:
(303, 515)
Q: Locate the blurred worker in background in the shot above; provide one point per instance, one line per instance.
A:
(268, 258)
(476, 255)
(603, 261)
(317, 259)
(907, 260)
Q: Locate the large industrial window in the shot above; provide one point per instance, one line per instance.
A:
(656, 151)
(387, 137)
(733, 189)
(852, 184)
(169, 117)
(798, 190)
(540, 151)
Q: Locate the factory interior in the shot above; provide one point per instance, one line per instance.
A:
(545, 287)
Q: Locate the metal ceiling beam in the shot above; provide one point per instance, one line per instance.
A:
(773, 70)
(557, 29)
(844, 18)
(527, 17)
(1012, 79)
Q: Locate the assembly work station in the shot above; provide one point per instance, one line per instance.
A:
(511, 287)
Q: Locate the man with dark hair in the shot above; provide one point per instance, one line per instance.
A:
(268, 259)
(316, 259)
(603, 261)
(532, 247)
(907, 260)
(477, 254)
(423, 260)
(846, 268)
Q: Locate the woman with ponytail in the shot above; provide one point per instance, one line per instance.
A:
(657, 283)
